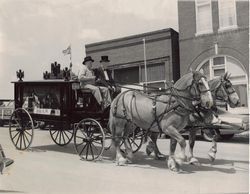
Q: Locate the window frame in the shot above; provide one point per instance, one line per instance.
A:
(197, 4)
(235, 26)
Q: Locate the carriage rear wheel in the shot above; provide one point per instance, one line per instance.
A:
(21, 129)
(89, 139)
(135, 140)
(61, 137)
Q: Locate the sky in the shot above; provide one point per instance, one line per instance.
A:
(33, 33)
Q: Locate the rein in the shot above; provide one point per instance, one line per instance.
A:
(157, 118)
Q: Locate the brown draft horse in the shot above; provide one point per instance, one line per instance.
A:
(222, 90)
(168, 113)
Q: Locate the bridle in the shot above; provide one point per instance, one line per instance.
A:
(195, 85)
(224, 89)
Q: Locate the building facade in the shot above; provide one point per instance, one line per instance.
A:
(214, 37)
(127, 57)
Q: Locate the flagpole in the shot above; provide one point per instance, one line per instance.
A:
(70, 58)
(145, 63)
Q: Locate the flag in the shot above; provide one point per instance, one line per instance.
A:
(67, 51)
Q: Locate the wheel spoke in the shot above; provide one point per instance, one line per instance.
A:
(95, 147)
(26, 137)
(24, 141)
(63, 137)
(134, 143)
(91, 150)
(87, 153)
(66, 135)
(21, 140)
(18, 139)
(57, 135)
(15, 135)
(53, 132)
(83, 149)
(28, 133)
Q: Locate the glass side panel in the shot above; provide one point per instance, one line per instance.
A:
(42, 99)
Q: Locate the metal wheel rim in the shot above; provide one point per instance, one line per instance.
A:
(21, 137)
(88, 140)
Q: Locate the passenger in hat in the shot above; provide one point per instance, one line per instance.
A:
(104, 76)
(87, 80)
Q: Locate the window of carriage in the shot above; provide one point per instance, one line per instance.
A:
(227, 14)
(203, 16)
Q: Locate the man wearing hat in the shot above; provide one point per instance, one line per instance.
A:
(87, 80)
(104, 76)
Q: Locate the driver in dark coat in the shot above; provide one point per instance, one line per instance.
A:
(104, 76)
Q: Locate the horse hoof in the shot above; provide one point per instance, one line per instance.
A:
(180, 159)
(121, 162)
(211, 156)
(194, 161)
(160, 157)
(149, 150)
(173, 166)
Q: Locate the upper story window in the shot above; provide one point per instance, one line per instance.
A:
(227, 14)
(203, 16)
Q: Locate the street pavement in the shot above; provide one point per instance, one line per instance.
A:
(48, 168)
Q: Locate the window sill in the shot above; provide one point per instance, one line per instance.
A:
(204, 33)
(228, 28)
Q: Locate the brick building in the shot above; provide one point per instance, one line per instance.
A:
(214, 36)
(127, 57)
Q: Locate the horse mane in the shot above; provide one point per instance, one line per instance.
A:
(184, 81)
(214, 83)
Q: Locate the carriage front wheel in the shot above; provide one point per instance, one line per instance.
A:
(89, 139)
(21, 129)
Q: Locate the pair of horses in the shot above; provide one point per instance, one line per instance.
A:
(168, 113)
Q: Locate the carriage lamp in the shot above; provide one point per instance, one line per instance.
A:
(20, 74)
(46, 75)
(66, 74)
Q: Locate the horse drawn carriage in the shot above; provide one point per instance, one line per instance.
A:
(73, 113)
(69, 113)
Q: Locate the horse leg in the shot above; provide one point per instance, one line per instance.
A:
(192, 137)
(128, 150)
(213, 149)
(172, 165)
(152, 147)
(117, 133)
(181, 157)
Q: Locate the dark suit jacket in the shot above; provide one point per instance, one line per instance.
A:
(100, 77)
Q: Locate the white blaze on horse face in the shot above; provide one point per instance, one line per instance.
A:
(234, 100)
(206, 97)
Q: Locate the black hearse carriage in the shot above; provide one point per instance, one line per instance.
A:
(68, 112)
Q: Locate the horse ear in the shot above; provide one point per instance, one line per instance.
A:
(225, 76)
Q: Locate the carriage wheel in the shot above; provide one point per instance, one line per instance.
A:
(135, 140)
(61, 137)
(89, 139)
(21, 129)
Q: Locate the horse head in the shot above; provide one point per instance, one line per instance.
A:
(198, 88)
(224, 91)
